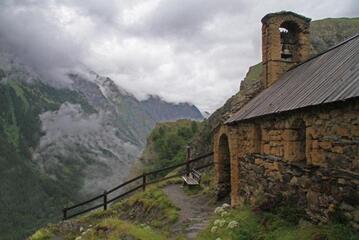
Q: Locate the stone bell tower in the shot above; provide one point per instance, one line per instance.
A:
(285, 43)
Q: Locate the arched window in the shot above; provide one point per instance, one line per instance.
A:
(289, 40)
(257, 138)
(295, 142)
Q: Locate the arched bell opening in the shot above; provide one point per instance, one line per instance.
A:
(289, 39)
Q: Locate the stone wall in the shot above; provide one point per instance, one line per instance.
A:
(311, 156)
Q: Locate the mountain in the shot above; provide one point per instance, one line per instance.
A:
(61, 145)
(327, 32)
(162, 111)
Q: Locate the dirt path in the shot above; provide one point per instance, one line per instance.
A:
(194, 212)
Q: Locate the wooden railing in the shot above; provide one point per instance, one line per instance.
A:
(104, 199)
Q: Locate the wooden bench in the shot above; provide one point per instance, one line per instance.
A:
(192, 178)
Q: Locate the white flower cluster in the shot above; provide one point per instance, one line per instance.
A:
(219, 223)
(218, 210)
(214, 229)
(233, 224)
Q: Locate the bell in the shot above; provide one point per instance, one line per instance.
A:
(286, 53)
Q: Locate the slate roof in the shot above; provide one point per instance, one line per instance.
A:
(331, 76)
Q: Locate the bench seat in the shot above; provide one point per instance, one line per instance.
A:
(193, 178)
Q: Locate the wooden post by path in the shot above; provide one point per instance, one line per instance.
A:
(144, 182)
(65, 213)
(188, 169)
(105, 200)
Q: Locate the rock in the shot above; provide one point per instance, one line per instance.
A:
(294, 181)
(355, 225)
(346, 207)
(355, 215)
(341, 181)
(312, 198)
(348, 216)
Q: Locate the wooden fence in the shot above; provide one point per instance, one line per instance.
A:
(104, 199)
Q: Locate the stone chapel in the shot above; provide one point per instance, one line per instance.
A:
(298, 139)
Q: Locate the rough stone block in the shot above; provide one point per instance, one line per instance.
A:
(338, 149)
(290, 135)
(317, 158)
(258, 161)
(294, 151)
(325, 145)
(266, 149)
(312, 132)
(313, 200)
(343, 132)
(315, 144)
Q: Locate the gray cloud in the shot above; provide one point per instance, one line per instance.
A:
(184, 50)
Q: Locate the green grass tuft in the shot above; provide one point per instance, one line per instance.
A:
(42, 234)
(265, 226)
(112, 228)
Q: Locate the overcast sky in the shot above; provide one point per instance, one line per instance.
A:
(183, 50)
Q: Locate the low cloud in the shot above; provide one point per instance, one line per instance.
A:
(183, 50)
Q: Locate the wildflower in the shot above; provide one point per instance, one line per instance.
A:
(219, 222)
(214, 229)
(232, 224)
(218, 210)
(226, 206)
(224, 213)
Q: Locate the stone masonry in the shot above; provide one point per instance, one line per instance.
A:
(307, 156)
(267, 160)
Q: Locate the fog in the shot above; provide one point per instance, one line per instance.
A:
(183, 50)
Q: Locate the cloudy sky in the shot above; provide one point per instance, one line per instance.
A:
(183, 50)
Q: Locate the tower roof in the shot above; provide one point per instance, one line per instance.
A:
(284, 13)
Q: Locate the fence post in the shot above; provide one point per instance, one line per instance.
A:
(144, 182)
(188, 169)
(105, 200)
(65, 213)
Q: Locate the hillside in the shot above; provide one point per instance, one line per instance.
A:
(60, 145)
(330, 31)
(166, 144)
(30, 196)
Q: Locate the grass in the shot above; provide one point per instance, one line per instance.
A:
(254, 72)
(266, 226)
(113, 229)
(42, 234)
(144, 215)
(20, 93)
(155, 204)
